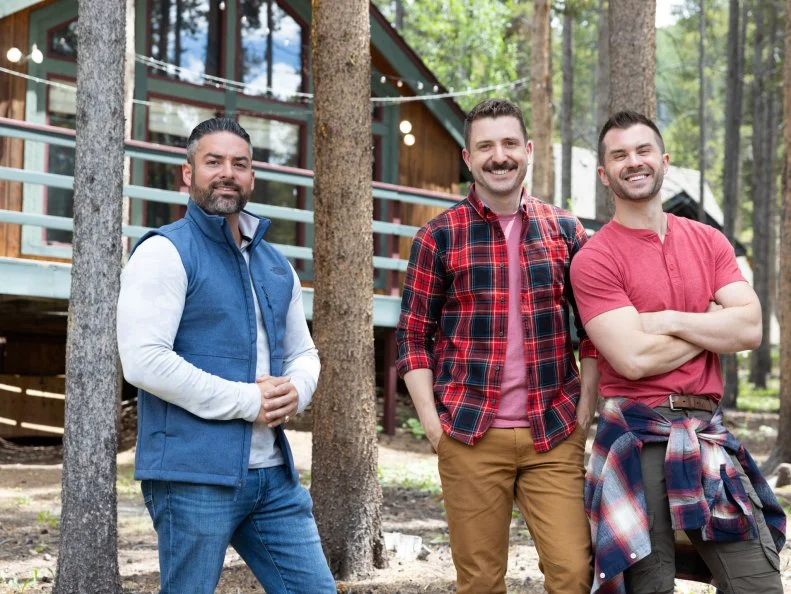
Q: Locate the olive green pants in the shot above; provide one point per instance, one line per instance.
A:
(740, 567)
(480, 484)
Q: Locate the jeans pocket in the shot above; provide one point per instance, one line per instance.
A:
(148, 496)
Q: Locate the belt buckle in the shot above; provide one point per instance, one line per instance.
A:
(670, 398)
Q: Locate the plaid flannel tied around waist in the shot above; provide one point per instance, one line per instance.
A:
(703, 487)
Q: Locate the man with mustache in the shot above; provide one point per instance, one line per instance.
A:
(484, 347)
(660, 297)
(212, 330)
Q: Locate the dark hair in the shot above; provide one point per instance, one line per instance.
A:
(626, 119)
(211, 126)
(492, 108)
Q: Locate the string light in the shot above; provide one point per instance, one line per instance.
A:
(222, 83)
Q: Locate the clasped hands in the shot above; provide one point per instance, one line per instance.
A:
(279, 400)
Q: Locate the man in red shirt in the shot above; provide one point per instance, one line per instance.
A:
(485, 351)
(660, 297)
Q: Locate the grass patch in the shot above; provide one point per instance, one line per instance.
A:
(752, 399)
(415, 477)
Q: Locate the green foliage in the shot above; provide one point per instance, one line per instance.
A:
(677, 88)
(46, 519)
(24, 499)
(419, 478)
(414, 427)
(465, 43)
(754, 399)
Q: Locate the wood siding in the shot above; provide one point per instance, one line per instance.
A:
(14, 32)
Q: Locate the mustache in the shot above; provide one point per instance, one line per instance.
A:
(222, 184)
(507, 165)
(637, 171)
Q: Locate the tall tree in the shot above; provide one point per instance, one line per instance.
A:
(774, 115)
(567, 103)
(604, 205)
(702, 109)
(782, 449)
(541, 100)
(732, 166)
(760, 361)
(633, 55)
(345, 485)
(88, 559)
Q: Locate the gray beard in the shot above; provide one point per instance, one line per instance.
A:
(218, 205)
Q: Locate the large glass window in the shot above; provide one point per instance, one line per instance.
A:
(276, 142)
(185, 34)
(272, 50)
(63, 40)
(60, 159)
(169, 124)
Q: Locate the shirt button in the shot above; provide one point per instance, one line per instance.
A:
(601, 575)
(497, 368)
(502, 265)
(502, 299)
(501, 332)
(633, 555)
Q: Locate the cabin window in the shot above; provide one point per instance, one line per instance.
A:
(186, 38)
(169, 124)
(63, 41)
(279, 143)
(60, 159)
(272, 50)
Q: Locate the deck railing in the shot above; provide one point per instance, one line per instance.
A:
(389, 232)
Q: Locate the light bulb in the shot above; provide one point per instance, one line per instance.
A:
(405, 126)
(36, 55)
(409, 140)
(14, 55)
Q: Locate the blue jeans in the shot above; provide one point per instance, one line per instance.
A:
(269, 522)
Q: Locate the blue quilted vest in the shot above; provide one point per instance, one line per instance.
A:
(217, 334)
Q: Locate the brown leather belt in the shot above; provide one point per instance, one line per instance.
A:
(687, 401)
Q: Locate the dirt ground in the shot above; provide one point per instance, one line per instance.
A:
(30, 507)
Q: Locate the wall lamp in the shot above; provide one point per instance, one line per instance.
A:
(15, 55)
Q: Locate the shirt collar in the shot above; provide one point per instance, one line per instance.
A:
(487, 213)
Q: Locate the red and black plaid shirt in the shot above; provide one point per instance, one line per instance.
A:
(454, 317)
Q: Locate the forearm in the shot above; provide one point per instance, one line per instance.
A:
(304, 374)
(656, 354)
(420, 384)
(168, 376)
(589, 381)
(728, 330)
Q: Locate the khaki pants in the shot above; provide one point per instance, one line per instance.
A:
(740, 567)
(480, 483)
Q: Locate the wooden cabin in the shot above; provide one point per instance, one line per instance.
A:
(247, 59)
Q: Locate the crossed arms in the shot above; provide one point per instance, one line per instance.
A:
(639, 345)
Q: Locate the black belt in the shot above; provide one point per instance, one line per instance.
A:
(687, 401)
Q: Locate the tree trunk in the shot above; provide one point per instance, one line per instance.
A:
(604, 204)
(760, 191)
(129, 95)
(399, 15)
(541, 100)
(731, 168)
(782, 449)
(633, 56)
(702, 109)
(88, 558)
(774, 123)
(345, 485)
(567, 105)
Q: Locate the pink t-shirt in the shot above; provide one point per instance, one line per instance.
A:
(512, 409)
(620, 267)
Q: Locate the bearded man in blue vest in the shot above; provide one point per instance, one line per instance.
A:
(211, 329)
